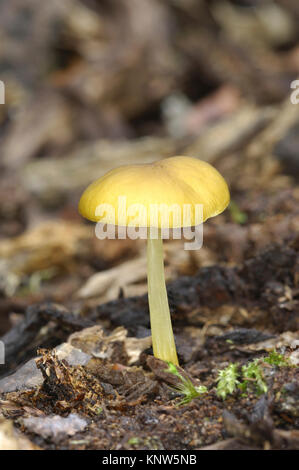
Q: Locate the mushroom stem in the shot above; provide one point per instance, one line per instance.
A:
(162, 334)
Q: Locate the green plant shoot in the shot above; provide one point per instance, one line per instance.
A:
(185, 386)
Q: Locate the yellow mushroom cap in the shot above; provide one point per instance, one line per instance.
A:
(134, 192)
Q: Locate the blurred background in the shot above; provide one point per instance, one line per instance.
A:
(94, 84)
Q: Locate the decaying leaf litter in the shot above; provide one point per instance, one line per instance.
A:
(79, 371)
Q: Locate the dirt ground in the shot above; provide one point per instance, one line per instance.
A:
(93, 85)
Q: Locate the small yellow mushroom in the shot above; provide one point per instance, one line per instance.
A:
(176, 182)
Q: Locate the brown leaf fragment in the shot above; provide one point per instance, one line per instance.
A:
(132, 384)
(115, 347)
(110, 281)
(109, 373)
(67, 387)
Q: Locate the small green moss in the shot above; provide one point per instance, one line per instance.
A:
(253, 375)
(227, 381)
(276, 359)
(250, 377)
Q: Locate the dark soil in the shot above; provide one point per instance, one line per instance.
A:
(136, 407)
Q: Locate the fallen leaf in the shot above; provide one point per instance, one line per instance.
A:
(111, 281)
(93, 341)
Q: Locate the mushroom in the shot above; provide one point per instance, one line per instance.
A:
(168, 184)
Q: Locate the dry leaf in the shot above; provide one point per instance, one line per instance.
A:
(111, 281)
(93, 341)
